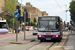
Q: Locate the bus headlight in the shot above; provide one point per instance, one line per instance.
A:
(56, 35)
(39, 35)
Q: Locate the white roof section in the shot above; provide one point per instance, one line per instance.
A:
(2, 20)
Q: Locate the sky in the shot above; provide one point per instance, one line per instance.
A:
(52, 7)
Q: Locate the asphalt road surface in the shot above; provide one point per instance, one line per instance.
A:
(37, 45)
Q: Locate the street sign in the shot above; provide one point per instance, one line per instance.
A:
(32, 13)
(16, 15)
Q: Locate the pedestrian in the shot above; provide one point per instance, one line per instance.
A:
(69, 28)
(18, 29)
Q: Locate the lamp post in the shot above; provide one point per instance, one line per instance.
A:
(66, 14)
(21, 14)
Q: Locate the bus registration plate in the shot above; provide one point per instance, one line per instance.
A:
(48, 38)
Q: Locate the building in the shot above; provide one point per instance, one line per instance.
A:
(44, 13)
(34, 12)
(2, 5)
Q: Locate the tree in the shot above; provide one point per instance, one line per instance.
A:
(26, 23)
(72, 9)
(10, 6)
(32, 23)
(34, 19)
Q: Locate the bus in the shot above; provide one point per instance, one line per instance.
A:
(49, 28)
(3, 26)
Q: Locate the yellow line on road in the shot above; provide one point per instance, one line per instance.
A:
(63, 41)
(61, 44)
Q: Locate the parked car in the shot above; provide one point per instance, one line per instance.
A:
(29, 28)
(35, 31)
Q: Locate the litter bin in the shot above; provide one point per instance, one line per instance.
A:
(13, 31)
(22, 29)
(16, 31)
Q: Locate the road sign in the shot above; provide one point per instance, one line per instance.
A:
(32, 13)
(16, 15)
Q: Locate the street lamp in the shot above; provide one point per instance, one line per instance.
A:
(21, 14)
(66, 14)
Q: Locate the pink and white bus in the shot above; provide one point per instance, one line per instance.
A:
(49, 28)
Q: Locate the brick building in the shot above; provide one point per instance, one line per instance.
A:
(35, 12)
(2, 5)
(44, 13)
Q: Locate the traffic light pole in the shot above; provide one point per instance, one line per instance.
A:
(16, 29)
(21, 14)
(24, 23)
(30, 18)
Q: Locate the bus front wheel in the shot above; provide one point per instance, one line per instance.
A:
(41, 40)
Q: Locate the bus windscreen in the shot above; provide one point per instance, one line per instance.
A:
(3, 25)
(48, 26)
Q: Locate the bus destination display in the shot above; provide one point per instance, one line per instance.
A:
(52, 18)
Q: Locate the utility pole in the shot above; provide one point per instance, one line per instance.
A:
(66, 14)
(24, 21)
(21, 14)
(30, 18)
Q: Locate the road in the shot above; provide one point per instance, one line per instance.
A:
(46, 45)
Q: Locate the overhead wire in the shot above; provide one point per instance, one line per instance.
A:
(58, 5)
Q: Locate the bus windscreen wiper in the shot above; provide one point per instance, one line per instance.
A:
(51, 29)
(45, 28)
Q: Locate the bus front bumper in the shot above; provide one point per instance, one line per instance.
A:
(52, 38)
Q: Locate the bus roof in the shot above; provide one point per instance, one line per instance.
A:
(3, 20)
(48, 16)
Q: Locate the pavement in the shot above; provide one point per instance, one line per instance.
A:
(8, 35)
(70, 44)
(22, 41)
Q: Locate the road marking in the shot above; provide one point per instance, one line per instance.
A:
(64, 40)
(61, 44)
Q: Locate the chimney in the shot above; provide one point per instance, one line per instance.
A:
(28, 4)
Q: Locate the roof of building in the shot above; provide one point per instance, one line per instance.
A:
(1, 12)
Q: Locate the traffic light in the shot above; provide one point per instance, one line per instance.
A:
(70, 22)
(74, 16)
(25, 10)
(67, 24)
(18, 8)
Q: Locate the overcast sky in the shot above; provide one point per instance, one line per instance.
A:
(52, 7)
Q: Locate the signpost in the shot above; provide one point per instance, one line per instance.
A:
(30, 17)
(24, 21)
(16, 15)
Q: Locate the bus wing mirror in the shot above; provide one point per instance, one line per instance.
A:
(61, 23)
